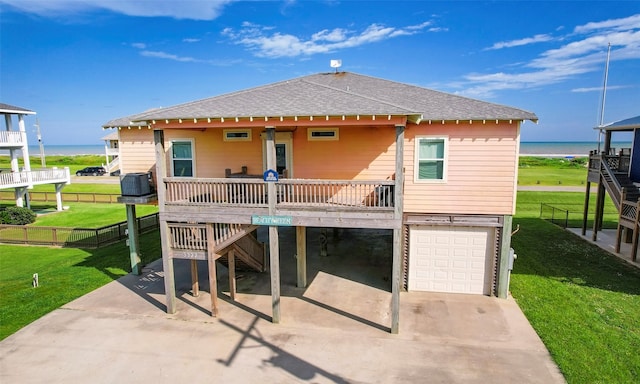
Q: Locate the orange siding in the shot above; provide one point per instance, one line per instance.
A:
(360, 153)
(481, 169)
(213, 155)
(481, 166)
(137, 152)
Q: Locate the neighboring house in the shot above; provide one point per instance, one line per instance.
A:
(439, 170)
(112, 153)
(21, 179)
(617, 172)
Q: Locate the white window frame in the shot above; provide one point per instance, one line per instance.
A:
(193, 156)
(335, 137)
(445, 159)
(225, 133)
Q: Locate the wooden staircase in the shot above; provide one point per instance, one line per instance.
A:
(626, 198)
(193, 241)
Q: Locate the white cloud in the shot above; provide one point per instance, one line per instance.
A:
(631, 22)
(582, 52)
(264, 43)
(190, 40)
(599, 89)
(190, 9)
(526, 41)
(164, 55)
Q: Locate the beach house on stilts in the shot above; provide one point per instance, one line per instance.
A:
(617, 173)
(333, 150)
(21, 178)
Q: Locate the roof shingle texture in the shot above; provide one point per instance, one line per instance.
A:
(335, 94)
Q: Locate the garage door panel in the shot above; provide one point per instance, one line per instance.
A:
(450, 259)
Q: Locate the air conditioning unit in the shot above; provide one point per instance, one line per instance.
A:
(135, 184)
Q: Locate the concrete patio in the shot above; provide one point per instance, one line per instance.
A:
(334, 331)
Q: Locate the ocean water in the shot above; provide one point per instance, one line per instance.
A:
(558, 148)
(67, 150)
(550, 148)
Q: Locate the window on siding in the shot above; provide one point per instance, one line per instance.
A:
(322, 134)
(237, 135)
(182, 158)
(430, 159)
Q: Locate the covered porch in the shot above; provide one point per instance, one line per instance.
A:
(617, 173)
(273, 203)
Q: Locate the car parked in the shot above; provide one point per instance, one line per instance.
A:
(91, 171)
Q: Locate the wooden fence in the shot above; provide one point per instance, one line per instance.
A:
(74, 237)
(73, 197)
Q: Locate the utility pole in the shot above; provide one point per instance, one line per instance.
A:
(42, 159)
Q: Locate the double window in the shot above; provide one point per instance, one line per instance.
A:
(431, 157)
(182, 158)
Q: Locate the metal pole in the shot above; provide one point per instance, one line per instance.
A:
(43, 162)
(604, 96)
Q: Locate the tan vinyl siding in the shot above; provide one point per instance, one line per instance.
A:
(481, 169)
(137, 153)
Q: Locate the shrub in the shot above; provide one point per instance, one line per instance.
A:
(17, 216)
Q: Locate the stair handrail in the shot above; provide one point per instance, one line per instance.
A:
(614, 187)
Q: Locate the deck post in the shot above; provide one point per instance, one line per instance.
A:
(597, 220)
(301, 256)
(134, 242)
(167, 260)
(195, 284)
(585, 213)
(397, 231)
(231, 257)
(274, 245)
(212, 256)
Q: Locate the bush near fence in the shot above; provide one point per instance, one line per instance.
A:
(72, 197)
(571, 216)
(74, 237)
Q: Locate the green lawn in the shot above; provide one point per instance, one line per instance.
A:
(89, 215)
(64, 274)
(583, 302)
(552, 171)
(113, 189)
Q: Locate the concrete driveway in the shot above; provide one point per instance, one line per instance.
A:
(334, 331)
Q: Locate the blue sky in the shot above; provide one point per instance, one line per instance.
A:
(80, 63)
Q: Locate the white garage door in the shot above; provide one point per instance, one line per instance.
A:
(450, 259)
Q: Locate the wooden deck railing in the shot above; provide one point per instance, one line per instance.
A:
(29, 178)
(194, 236)
(617, 163)
(246, 192)
(629, 211)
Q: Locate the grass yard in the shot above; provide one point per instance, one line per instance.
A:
(64, 274)
(583, 302)
(89, 215)
(74, 162)
(552, 171)
(112, 189)
(529, 202)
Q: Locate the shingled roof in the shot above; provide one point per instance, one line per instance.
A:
(335, 94)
